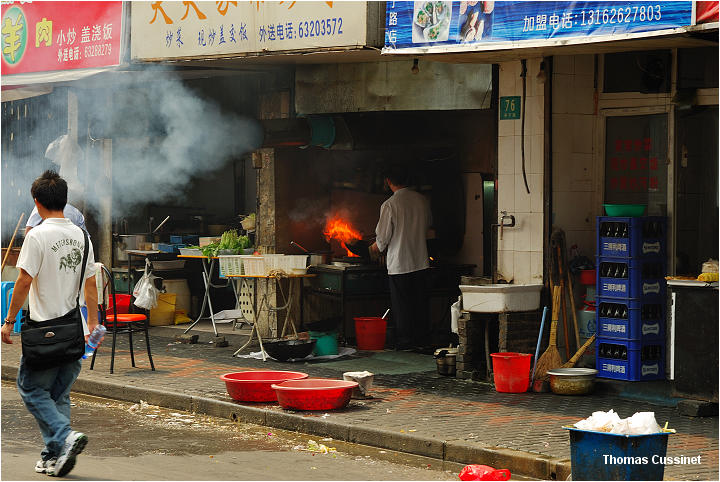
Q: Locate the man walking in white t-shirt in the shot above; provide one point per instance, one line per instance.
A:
(49, 264)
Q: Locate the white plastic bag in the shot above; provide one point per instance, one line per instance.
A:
(641, 423)
(455, 315)
(145, 293)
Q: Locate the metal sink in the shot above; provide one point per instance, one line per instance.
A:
(501, 298)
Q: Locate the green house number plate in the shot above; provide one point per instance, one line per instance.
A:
(510, 107)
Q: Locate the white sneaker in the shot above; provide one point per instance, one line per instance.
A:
(74, 444)
(43, 466)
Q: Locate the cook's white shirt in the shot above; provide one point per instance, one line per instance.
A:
(70, 212)
(402, 229)
(52, 253)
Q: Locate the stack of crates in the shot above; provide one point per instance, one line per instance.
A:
(630, 313)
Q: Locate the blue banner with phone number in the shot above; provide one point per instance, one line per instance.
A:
(429, 23)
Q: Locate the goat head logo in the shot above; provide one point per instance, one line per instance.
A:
(71, 261)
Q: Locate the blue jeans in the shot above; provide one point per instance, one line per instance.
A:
(46, 394)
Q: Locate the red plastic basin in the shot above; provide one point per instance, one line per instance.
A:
(255, 386)
(314, 393)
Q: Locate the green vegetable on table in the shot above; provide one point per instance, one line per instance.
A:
(229, 240)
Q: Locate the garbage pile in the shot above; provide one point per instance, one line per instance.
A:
(641, 423)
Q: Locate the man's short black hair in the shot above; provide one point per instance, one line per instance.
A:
(50, 190)
(397, 174)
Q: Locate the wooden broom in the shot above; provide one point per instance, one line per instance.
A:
(571, 362)
(551, 357)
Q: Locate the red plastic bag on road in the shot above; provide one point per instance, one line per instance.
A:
(483, 472)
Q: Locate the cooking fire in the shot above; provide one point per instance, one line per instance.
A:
(342, 231)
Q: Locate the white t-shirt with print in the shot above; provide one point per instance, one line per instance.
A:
(52, 253)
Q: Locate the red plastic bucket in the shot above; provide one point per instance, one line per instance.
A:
(370, 333)
(511, 371)
(587, 277)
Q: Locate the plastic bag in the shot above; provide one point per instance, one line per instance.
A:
(483, 472)
(455, 314)
(641, 423)
(145, 293)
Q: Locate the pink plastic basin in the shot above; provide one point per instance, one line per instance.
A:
(314, 393)
(255, 386)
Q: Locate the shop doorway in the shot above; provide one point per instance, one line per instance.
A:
(697, 188)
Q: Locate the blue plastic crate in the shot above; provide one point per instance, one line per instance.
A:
(592, 454)
(631, 319)
(643, 360)
(7, 291)
(191, 239)
(637, 237)
(630, 278)
(170, 248)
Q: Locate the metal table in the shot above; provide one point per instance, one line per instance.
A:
(241, 281)
(207, 280)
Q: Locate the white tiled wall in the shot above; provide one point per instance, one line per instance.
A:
(574, 124)
(520, 251)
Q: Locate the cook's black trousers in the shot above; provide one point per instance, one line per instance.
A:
(409, 295)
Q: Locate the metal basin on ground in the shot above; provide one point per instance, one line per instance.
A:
(500, 298)
(572, 381)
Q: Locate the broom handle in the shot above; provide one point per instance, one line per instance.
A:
(12, 240)
(555, 309)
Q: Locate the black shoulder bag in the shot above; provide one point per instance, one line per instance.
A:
(50, 343)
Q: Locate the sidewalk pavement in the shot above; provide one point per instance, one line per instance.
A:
(414, 409)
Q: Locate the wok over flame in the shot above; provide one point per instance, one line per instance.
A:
(342, 231)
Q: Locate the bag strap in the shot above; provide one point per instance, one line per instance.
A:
(82, 271)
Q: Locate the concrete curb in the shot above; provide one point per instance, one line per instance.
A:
(524, 463)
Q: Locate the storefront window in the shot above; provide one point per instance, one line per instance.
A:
(636, 161)
(647, 72)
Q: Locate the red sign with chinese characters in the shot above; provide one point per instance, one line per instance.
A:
(48, 36)
(632, 161)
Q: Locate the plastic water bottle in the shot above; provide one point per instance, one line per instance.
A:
(94, 340)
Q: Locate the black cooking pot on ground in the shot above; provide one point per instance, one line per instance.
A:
(283, 350)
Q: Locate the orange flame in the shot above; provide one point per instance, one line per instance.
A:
(342, 231)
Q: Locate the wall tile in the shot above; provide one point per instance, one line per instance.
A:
(507, 242)
(522, 198)
(522, 266)
(585, 64)
(506, 264)
(506, 154)
(518, 152)
(582, 172)
(582, 100)
(506, 127)
(537, 154)
(562, 133)
(506, 192)
(584, 82)
(561, 85)
(562, 171)
(536, 267)
(536, 231)
(574, 210)
(583, 133)
(536, 192)
(520, 232)
(564, 64)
